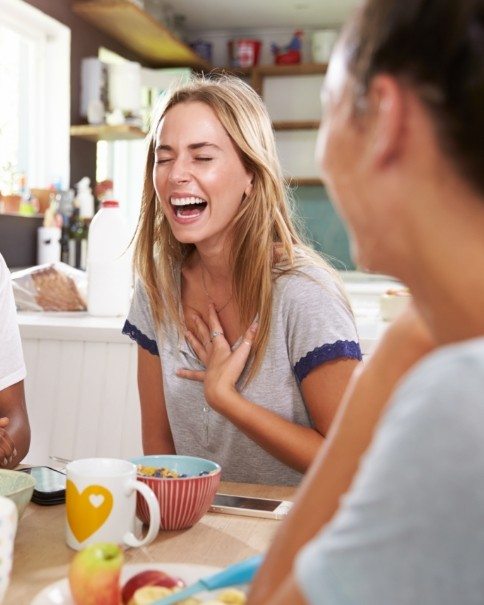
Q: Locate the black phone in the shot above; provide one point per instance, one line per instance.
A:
(50, 485)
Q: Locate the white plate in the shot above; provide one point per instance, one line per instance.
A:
(59, 593)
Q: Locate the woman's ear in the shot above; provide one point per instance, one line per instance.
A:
(387, 110)
(248, 189)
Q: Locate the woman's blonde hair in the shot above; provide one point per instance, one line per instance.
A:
(265, 241)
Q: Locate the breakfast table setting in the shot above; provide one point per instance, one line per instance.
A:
(42, 558)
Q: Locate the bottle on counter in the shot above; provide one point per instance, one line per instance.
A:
(77, 240)
(79, 224)
(65, 200)
(109, 271)
(49, 234)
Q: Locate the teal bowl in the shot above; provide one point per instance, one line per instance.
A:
(17, 486)
(182, 500)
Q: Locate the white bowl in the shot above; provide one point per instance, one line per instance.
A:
(17, 486)
(393, 302)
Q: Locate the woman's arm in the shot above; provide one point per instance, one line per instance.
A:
(157, 437)
(14, 426)
(371, 386)
(293, 444)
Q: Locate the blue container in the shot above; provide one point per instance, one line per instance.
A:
(203, 49)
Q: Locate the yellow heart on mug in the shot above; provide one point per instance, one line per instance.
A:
(87, 510)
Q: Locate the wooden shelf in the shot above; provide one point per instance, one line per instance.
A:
(305, 182)
(296, 125)
(140, 32)
(104, 132)
(298, 69)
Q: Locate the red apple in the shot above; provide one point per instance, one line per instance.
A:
(94, 575)
(149, 577)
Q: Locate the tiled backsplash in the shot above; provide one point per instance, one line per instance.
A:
(323, 226)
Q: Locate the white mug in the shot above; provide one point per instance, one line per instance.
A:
(8, 528)
(101, 503)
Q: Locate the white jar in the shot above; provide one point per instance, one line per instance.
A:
(48, 245)
(109, 271)
(322, 44)
(124, 87)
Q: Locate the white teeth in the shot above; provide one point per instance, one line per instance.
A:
(185, 201)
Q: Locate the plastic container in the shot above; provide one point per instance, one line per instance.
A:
(108, 262)
(322, 44)
(48, 245)
(124, 89)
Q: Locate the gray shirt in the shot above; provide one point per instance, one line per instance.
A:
(411, 529)
(311, 324)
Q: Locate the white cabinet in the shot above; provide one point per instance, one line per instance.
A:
(81, 388)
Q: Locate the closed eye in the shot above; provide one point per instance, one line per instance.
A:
(203, 159)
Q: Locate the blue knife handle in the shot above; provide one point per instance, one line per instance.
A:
(238, 573)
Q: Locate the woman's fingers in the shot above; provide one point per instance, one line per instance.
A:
(216, 330)
(243, 350)
(203, 333)
(198, 375)
(197, 346)
(7, 448)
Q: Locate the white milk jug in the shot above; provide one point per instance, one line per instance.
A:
(108, 262)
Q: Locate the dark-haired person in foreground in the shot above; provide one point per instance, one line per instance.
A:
(14, 422)
(401, 150)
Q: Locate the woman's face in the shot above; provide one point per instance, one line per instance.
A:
(341, 153)
(198, 175)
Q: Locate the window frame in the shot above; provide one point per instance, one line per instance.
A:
(49, 114)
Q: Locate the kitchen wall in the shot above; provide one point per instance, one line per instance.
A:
(85, 42)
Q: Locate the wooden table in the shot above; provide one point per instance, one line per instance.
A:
(42, 556)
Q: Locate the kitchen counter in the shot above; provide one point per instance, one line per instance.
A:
(364, 292)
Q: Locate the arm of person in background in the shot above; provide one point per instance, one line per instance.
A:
(293, 444)
(14, 426)
(157, 437)
(14, 422)
(405, 342)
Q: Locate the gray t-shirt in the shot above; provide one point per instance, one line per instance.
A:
(311, 324)
(411, 529)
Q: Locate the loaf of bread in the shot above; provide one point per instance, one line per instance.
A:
(56, 291)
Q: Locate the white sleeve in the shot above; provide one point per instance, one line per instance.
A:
(12, 366)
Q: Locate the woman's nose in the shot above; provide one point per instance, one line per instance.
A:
(179, 172)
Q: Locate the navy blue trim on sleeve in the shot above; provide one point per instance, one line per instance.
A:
(140, 338)
(328, 352)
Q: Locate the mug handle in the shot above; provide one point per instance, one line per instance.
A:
(129, 538)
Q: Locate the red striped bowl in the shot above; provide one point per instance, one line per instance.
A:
(183, 500)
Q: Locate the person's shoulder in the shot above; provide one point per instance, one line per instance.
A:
(4, 273)
(310, 282)
(447, 383)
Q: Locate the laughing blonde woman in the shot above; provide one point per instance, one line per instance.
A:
(225, 281)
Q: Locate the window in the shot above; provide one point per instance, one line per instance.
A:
(35, 99)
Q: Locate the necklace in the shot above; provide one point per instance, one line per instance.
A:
(218, 309)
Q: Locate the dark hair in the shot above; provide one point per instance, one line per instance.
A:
(437, 46)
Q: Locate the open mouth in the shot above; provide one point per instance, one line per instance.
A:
(188, 207)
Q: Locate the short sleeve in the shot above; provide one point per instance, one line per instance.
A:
(409, 530)
(12, 366)
(139, 324)
(319, 324)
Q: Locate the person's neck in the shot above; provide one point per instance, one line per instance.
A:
(216, 265)
(444, 266)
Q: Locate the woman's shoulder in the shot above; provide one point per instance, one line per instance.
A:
(306, 275)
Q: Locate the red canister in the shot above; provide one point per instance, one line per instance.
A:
(244, 52)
